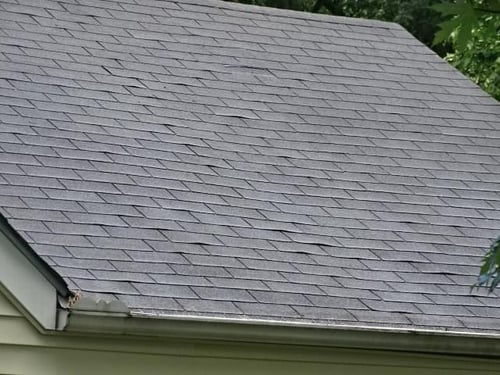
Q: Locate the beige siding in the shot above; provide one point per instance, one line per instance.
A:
(43, 361)
(6, 308)
(23, 350)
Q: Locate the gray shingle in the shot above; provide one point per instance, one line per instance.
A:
(213, 260)
(204, 306)
(327, 314)
(86, 264)
(267, 310)
(282, 298)
(381, 317)
(41, 182)
(139, 302)
(163, 290)
(215, 219)
(29, 225)
(142, 267)
(86, 218)
(181, 280)
(118, 287)
(226, 282)
(404, 307)
(256, 274)
(110, 209)
(79, 229)
(223, 294)
(121, 276)
(284, 165)
(337, 302)
(122, 243)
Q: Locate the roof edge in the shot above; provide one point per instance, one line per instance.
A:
(24, 281)
(290, 13)
(20, 243)
(282, 332)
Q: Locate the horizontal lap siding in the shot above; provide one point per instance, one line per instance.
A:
(7, 309)
(10, 317)
(47, 361)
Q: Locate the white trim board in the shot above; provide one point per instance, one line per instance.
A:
(26, 286)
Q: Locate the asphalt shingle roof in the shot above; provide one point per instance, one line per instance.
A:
(206, 158)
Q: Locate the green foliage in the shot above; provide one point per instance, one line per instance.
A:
(465, 31)
(461, 25)
(481, 59)
(417, 16)
(489, 275)
(302, 5)
(473, 27)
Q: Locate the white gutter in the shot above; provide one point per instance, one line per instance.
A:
(43, 295)
(90, 317)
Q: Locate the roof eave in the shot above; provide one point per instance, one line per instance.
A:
(25, 249)
(27, 281)
(280, 332)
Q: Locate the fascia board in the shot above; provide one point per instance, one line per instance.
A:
(290, 333)
(24, 248)
(23, 283)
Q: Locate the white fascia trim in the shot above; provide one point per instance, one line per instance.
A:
(120, 322)
(25, 285)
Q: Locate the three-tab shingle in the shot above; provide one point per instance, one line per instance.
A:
(214, 159)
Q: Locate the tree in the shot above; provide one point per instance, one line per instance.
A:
(472, 28)
(489, 275)
(465, 31)
(417, 16)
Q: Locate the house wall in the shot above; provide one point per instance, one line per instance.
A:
(24, 350)
(7, 309)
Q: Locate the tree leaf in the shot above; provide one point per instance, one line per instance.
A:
(489, 274)
(446, 29)
(464, 20)
(446, 9)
